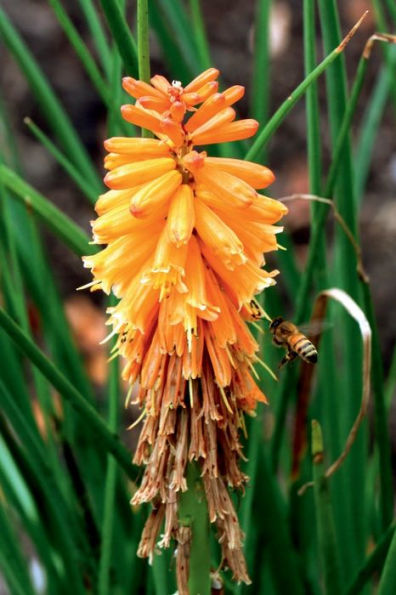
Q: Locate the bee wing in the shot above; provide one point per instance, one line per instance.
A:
(315, 327)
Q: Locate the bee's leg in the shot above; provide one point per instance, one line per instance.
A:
(290, 356)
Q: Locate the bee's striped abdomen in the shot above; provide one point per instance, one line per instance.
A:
(304, 348)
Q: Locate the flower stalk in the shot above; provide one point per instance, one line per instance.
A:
(193, 515)
(143, 47)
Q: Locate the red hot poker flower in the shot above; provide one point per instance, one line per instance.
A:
(186, 236)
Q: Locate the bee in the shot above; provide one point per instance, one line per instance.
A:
(286, 334)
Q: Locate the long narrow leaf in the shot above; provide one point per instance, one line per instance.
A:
(108, 440)
(52, 109)
(59, 223)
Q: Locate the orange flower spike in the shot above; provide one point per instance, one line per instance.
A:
(140, 117)
(156, 194)
(200, 95)
(181, 216)
(136, 147)
(213, 231)
(133, 174)
(257, 176)
(138, 89)
(228, 133)
(207, 76)
(186, 236)
(223, 117)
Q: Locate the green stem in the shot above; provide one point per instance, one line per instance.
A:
(324, 516)
(380, 417)
(200, 34)
(193, 512)
(143, 47)
(122, 35)
(110, 487)
(387, 584)
(372, 564)
(261, 66)
(290, 102)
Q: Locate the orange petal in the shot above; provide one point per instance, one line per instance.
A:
(122, 258)
(138, 89)
(208, 109)
(244, 281)
(113, 160)
(149, 147)
(113, 199)
(201, 94)
(141, 117)
(161, 83)
(168, 267)
(216, 201)
(253, 174)
(177, 111)
(267, 210)
(223, 326)
(228, 132)
(205, 77)
(225, 185)
(133, 174)
(155, 195)
(181, 216)
(214, 232)
(217, 122)
(154, 103)
(173, 130)
(119, 221)
(195, 281)
(192, 360)
(219, 359)
(233, 94)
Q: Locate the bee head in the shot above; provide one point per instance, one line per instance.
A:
(275, 323)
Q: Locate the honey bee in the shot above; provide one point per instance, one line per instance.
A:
(286, 334)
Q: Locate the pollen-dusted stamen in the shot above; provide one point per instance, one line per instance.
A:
(185, 236)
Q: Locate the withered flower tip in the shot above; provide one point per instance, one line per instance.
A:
(185, 236)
